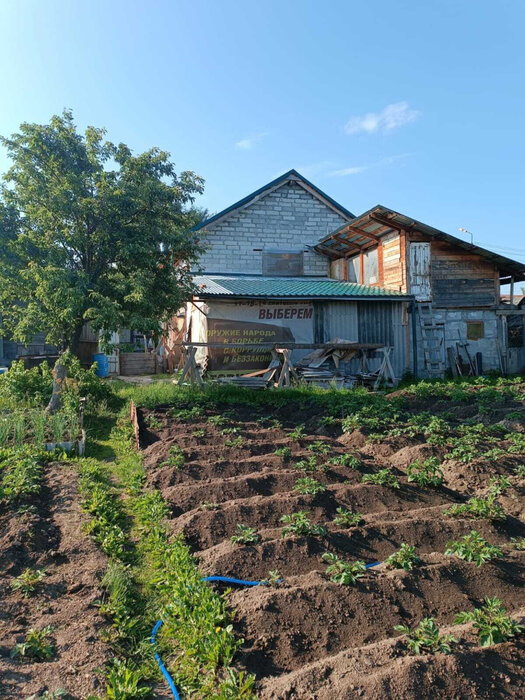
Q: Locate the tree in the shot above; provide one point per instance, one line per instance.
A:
(90, 232)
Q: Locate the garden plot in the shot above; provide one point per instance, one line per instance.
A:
(299, 495)
(50, 576)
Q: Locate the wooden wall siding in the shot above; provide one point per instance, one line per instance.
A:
(393, 264)
(461, 279)
(338, 269)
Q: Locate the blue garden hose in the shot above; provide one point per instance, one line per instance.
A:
(222, 579)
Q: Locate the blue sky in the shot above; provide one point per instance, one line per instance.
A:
(415, 105)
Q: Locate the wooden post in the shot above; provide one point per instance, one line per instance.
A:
(512, 291)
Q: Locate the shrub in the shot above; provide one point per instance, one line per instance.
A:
(307, 485)
(491, 623)
(307, 465)
(245, 535)
(384, 477)
(36, 645)
(176, 458)
(346, 460)
(346, 518)
(426, 473)
(498, 485)
(473, 548)
(284, 453)
(405, 558)
(342, 572)
(319, 447)
(297, 433)
(299, 524)
(28, 581)
(426, 638)
(478, 508)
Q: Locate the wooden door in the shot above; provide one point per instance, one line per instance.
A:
(419, 271)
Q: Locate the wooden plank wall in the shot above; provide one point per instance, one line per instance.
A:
(394, 265)
(459, 278)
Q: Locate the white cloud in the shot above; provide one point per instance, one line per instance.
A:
(356, 169)
(248, 142)
(391, 117)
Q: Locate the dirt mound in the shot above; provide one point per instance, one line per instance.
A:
(309, 637)
(51, 539)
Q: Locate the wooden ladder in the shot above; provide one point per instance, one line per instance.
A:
(433, 335)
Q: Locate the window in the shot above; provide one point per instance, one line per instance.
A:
(370, 266)
(475, 330)
(282, 263)
(515, 331)
(354, 269)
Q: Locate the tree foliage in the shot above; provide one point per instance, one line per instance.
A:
(91, 232)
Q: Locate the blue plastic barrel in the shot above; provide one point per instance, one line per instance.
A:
(102, 364)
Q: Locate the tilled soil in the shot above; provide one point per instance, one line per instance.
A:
(309, 638)
(49, 537)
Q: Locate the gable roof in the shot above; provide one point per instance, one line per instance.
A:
(258, 287)
(380, 221)
(291, 175)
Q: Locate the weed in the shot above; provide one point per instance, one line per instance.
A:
(208, 505)
(199, 433)
(307, 485)
(319, 447)
(36, 645)
(491, 623)
(518, 543)
(346, 460)
(297, 433)
(426, 638)
(384, 477)
(28, 581)
(245, 535)
(426, 473)
(123, 682)
(153, 422)
(50, 695)
(284, 453)
(405, 558)
(477, 507)
(346, 518)
(274, 578)
(232, 430)
(22, 476)
(519, 471)
(299, 524)
(473, 548)
(342, 572)
(328, 420)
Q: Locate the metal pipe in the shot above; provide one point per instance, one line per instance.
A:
(414, 340)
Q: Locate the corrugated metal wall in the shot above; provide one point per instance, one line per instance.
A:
(382, 322)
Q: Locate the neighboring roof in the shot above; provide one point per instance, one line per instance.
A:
(255, 287)
(289, 176)
(518, 299)
(380, 221)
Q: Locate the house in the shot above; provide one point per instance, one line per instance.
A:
(287, 263)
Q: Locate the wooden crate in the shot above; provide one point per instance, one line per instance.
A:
(137, 363)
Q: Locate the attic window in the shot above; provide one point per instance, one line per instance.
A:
(475, 330)
(282, 263)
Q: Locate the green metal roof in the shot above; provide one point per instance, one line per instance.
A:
(256, 287)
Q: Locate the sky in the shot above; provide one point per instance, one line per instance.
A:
(418, 106)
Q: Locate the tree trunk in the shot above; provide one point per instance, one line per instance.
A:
(59, 377)
(60, 372)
